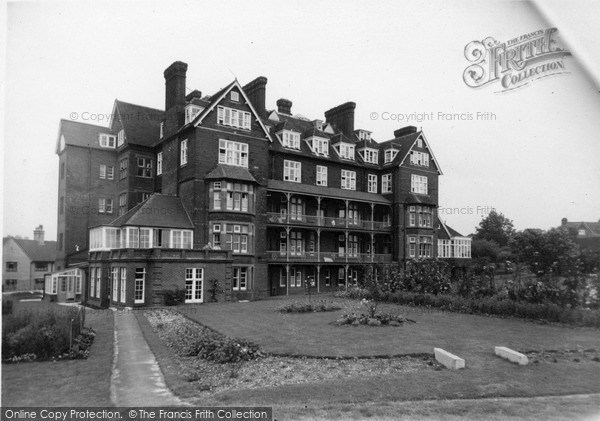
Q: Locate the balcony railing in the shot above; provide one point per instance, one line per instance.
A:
(326, 221)
(327, 257)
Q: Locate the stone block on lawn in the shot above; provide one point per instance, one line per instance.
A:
(509, 354)
(448, 360)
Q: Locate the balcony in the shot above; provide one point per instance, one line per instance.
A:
(276, 256)
(274, 218)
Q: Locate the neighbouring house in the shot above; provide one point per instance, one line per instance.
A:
(453, 246)
(26, 261)
(588, 233)
(218, 187)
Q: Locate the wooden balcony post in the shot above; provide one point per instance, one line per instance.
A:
(288, 196)
(318, 280)
(287, 279)
(346, 215)
(318, 244)
(372, 216)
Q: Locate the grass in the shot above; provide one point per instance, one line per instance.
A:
(470, 336)
(63, 383)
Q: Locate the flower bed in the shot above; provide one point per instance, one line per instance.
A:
(308, 306)
(190, 339)
(371, 316)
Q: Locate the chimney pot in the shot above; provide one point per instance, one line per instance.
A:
(284, 106)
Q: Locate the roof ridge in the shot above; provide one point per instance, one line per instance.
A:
(138, 105)
(85, 124)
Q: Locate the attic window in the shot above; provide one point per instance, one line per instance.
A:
(371, 156)
(389, 156)
(345, 150)
(107, 140)
(191, 111)
(290, 139)
(420, 142)
(419, 158)
(364, 135)
(234, 118)
(320, 146)
(235, 96)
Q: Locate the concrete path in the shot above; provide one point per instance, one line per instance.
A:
(136, 378)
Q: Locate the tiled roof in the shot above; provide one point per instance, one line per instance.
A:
(81, 134)
(287, 186)
(159, 210)
(230, 172)
(446, 232)
(419, 199)
(594, 227)
(38, 252)
(403, 144)
(141, 124)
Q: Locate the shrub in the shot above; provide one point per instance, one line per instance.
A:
(308, 306)
(174, 297)
(7, 307)
(214, 289)
(42, 336)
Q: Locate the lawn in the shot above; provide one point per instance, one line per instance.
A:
(470, 336)
(63, 383)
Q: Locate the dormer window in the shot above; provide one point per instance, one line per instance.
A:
(320, 146)
(364, 135)
(107, 140)
(290, 139)
(389, 156)
(191, 111)
(345, 150)
(235, 96)
(419, 158)
(120, 138)
(370, 156)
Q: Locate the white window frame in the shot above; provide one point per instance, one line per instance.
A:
(346, 151)
(389, 155)
(348, 180)
(290, 139)
(233, 153)
(371, 156)
(320, 146)
(159, 161)
(419, 184)
(234, 118)
(321, 176)
(372, 183)
(236, 279)
(386, 183)
(191, 112)
(194, 277)
(103, 171)
(139, 285)
(235, 96)
(419, 158)
(292, 171)
(183, 152)
(122, 284)
(107, 140)
(120, 138)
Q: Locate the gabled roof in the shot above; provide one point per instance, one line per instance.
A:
(80, 134)
(216, 98)
(446, 232)
(405, 144)
(230, 172)
(141, 124)
(287, 186)
(593, 227)
(159, 210)
(35, 251)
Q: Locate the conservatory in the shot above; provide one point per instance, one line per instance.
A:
(65, 285)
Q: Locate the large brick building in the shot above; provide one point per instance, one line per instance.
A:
(219, 187)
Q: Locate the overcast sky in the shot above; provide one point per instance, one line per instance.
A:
(536, 162)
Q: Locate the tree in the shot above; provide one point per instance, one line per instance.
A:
(495, 227)
(550, 252)
(485, 249)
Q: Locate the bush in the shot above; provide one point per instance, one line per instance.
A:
(174, 297)
(42, 336)
(7, 307)
(214, 289)
(308, 306)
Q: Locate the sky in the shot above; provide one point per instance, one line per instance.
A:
(536, 161)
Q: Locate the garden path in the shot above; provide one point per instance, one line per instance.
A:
(136, 378)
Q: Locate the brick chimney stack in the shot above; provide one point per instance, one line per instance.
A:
(284, 106)
(342, 117)
(257, 94)
(38, 234)
(174, 97)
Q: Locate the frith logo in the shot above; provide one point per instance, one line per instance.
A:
(514, 63)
